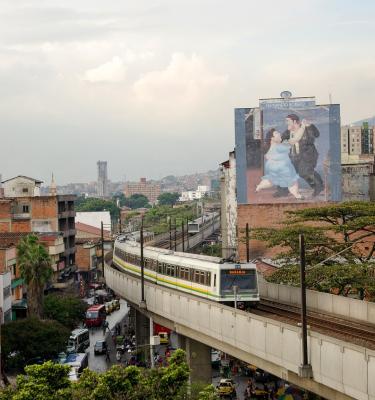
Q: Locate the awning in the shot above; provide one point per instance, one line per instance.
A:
(20, 305)
(17, 282)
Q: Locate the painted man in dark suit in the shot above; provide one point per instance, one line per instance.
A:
(303, 154)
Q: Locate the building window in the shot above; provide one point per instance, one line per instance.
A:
(25, 208)
(6, 291)
(25, 190)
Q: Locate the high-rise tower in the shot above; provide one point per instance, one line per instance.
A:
(102, 188)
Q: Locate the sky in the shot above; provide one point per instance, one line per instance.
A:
(151, 85)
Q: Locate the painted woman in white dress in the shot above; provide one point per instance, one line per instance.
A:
(278, 168)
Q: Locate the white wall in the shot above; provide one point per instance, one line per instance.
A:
(325, 302)
(5, 302)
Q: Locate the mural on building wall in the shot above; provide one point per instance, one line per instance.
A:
(288, 150)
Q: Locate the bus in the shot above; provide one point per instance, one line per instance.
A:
(95, 315)
(79, 340)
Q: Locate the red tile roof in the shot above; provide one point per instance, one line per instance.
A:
(91, 229)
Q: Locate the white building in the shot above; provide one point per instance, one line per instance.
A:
(6, 296)
(195, 194)
(95, 218)
(228, 206)
(21, 186)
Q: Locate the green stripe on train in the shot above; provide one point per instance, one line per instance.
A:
(158, 278)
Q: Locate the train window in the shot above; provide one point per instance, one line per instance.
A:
(196, 276)
(214, 280)
(202, 278)
(191, 275)
(160, 268)
(172, 270)
(208, 278)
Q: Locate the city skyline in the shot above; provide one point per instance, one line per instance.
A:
(154, 85)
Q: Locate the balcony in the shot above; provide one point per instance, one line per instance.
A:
(66, 214)
(19, 216)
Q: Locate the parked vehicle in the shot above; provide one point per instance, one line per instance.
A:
(78, 363)
(164, 337)
(226, 389)
(108, 307)
(78, 341)
(100, 347)
(116, 304)
(95, 315)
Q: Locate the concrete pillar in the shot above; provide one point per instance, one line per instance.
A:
(199, 360)
(142, 334)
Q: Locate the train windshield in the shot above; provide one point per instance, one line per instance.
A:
(244, 280)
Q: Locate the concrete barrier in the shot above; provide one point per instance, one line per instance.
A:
(341, 306)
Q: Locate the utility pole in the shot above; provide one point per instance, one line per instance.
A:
(143, 302)
(187, 232)
(170, 233)
(175, 234)
(119, 223)
(102, 245)
(235, 289)
(305, 369)
(183, 236)
(247, 244)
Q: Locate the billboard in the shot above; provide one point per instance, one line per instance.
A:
(288, 151)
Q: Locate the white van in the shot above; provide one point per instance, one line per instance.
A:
(79, 341)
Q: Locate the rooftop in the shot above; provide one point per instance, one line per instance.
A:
(23, 176)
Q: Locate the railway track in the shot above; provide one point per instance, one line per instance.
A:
(351, 331)
(165, 243)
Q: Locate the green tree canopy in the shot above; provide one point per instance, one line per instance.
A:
(92, 204)
(68, 310)
(136, 201)
(36, 270)
(49, 381)
(168, 199)
(328, 230)
(25, 339)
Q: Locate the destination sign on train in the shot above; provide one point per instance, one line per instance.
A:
(237, 272)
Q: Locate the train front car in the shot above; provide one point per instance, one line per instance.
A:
(238, 283)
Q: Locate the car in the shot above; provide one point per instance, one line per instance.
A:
(100, 347)
(226, 389)
(116, 304)
(108, 307)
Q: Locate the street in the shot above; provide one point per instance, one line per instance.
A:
(98, 363)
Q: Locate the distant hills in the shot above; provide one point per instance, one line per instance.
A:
(370, 120)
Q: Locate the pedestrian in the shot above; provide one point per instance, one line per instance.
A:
(107, 356)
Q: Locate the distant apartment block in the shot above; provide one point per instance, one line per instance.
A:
(357, 143)
(150, 190)
(102, 185)
(190, 195)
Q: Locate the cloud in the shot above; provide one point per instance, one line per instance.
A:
(186, 80)
(111, 71)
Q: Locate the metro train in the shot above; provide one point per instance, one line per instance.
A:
(204, 276)
(195, 226)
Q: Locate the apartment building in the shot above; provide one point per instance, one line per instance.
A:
(43, 214)
(150, 190)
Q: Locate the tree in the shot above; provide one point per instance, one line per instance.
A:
(68, 310)
(137, 201)
(328, 230)
(92, 204)
(36, 270)
(49, 381)
(168, 199)
(31, 338)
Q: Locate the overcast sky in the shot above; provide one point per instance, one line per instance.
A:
(150, 86)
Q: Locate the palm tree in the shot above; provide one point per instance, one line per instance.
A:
(36, 270)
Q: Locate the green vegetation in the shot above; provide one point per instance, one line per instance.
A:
(168, 199)
(157, 218)
(347, 228)
(211, 250)
(36, 270)
(67, 310)
(328, 230)
(92, 204)
(338, 278)
(25, 340)
(49, 382)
